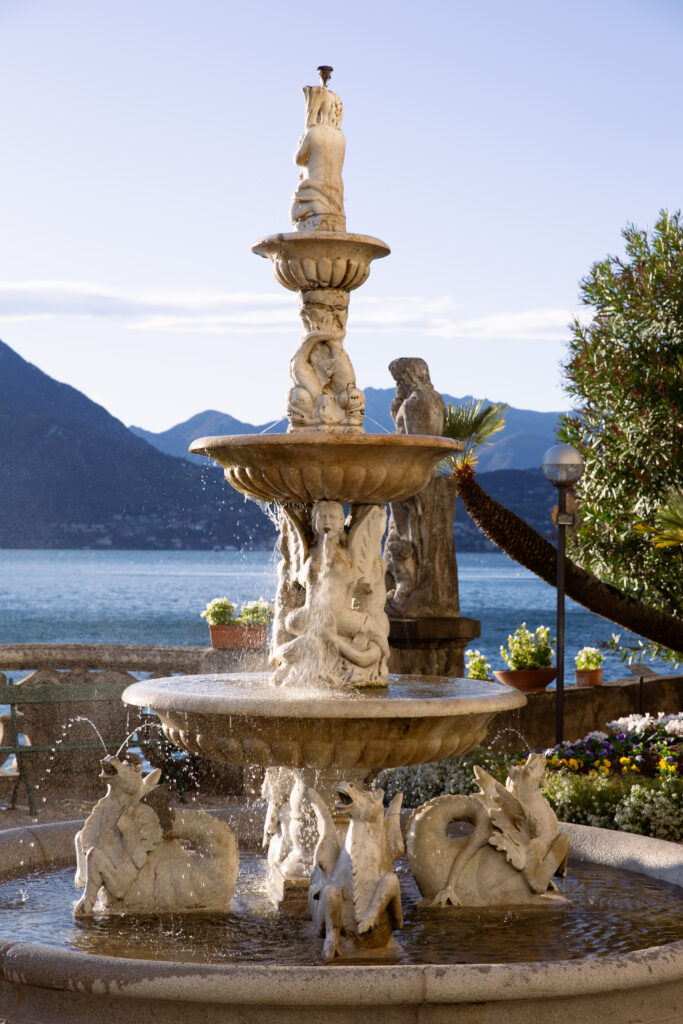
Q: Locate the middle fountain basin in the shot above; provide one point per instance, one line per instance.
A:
(244, 719)
(309, 465)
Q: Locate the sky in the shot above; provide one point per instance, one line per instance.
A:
(499, 149)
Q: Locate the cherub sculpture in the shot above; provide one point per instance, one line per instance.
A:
(512, 853)
(126, 864)
(331, 629)
(354, 896)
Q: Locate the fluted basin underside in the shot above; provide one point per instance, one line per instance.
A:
(312, 466)
(243, 719)
(321, 259)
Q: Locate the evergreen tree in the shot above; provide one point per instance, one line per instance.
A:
(625, 373)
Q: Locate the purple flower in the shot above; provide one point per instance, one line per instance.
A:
(621, 736)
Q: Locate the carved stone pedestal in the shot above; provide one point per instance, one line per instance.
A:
(432, 647)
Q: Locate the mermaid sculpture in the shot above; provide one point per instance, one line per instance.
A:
(330, 623)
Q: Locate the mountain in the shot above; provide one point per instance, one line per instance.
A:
(176, 440)
(72, 475)
(521, 444)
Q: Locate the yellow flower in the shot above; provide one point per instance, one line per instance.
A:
(573, 764)
(624, 760)
(635, 768)
(604, 769)
(607, 764)
(592, 771)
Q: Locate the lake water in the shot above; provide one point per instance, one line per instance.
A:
(155, 597)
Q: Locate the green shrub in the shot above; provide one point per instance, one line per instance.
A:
(585, 799)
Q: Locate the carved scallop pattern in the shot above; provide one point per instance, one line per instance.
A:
(322, 743)
(306, 273)
(324, 271)
(338, 272)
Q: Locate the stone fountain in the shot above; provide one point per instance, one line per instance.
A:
(329, 711)
(327, 716)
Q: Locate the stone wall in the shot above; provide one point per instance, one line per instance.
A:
(585, 710)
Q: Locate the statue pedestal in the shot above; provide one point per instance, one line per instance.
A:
(431, 646)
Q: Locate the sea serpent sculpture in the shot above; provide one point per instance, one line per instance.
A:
(511, 855)
(126, 863)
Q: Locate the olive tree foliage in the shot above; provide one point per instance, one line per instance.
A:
(625, 374)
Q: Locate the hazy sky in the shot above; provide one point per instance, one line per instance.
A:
(498, 147)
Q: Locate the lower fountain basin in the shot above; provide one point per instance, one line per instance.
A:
(42, 984)
(243, 719)
(309, 465)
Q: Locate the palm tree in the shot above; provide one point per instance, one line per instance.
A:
(522, 543)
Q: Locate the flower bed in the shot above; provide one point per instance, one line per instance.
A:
(629, 778)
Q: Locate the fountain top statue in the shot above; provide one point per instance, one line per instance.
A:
(318, 203)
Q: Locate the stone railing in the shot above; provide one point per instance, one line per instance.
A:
(65, 702)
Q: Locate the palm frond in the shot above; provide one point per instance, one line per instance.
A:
(474, 423)
(667, 531)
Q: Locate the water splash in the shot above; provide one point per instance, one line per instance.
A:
(83, 718)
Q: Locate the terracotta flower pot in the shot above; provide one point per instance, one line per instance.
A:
(588, 676)
(235, 636)
(528, 680)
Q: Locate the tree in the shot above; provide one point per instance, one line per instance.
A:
(521, 542)
(625, 369)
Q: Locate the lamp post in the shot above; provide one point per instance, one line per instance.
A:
(563, 466)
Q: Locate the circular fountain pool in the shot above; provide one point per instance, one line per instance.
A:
(602, 962)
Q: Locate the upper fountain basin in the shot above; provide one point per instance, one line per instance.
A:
(243, 719)
(303, 260)
(310, 465)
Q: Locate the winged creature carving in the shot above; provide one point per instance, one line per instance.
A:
(512, 853)
(354, 896)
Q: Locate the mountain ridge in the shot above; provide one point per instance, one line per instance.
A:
(521, 444)
(73, 476)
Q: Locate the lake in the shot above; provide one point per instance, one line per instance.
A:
(155, 597)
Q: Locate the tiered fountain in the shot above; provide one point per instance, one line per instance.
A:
(328, 715)
(329, 710)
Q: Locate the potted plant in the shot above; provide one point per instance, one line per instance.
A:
(477, 666)
(228, 629)
(589, 663)
(528, 656)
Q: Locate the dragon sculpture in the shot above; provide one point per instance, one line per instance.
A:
(127, 864)
(354, 894)
(512, 853)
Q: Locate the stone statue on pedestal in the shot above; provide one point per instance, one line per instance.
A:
(318, 202)
(420, 551)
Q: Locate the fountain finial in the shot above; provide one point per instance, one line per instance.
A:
(325, 73)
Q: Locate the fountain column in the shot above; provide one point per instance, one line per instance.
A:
(330, 625)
